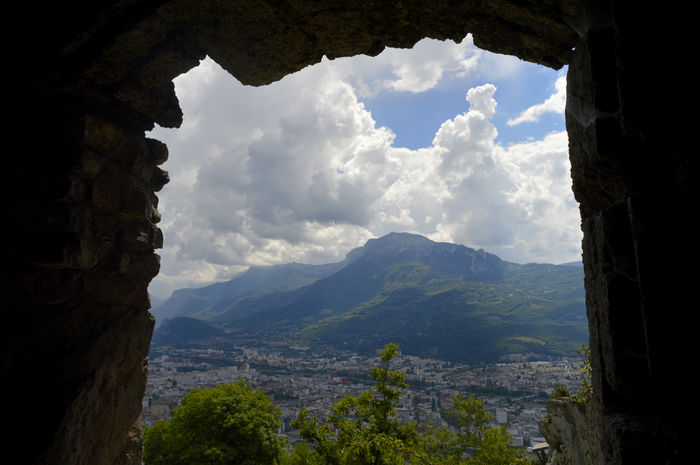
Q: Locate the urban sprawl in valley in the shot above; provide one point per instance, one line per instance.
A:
(295, 377)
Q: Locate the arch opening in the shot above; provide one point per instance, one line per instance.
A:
(83, 195)
(300, 170)
(315, 125)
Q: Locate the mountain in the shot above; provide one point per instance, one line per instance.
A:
(181, 330)
(156, 301)
(434, 299)
(578, 263)
(396, 261)
(208, 302)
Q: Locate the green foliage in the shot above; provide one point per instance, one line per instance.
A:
(362, 429)
(560, 391)
(228, 424)
(585, 388)
(300, 455)
(474, 443)
(365, 429)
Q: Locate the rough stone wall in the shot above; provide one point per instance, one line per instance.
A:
(565, 427)
(636, 181)
(76, 331)
(81, 194)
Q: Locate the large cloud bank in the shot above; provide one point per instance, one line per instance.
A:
(299, 171)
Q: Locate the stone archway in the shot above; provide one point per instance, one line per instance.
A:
(80, 249)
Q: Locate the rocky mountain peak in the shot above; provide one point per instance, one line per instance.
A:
(413, 247)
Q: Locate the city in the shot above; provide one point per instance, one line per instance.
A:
(295, 377)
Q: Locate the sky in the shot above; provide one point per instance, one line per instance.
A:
(444, 140)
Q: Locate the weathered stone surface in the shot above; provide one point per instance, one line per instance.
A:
(636, 216)
(83, 209)
(566, 429)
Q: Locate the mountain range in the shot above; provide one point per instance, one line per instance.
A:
(434, 299)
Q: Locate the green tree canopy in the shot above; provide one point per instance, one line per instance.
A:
(227, 424)
(366, 429)
(362, 429)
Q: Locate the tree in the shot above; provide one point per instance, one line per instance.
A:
(365, 429)
(473, 443)
(560, 391)
(585, 388)
(301, 454)
(227, 424)
(362, 429)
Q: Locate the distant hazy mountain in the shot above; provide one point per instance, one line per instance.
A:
(156, 301)
(437, 299)
(181, 330)
(208, 302)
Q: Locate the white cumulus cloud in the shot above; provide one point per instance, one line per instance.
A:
(554, 104)
(299, 171)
